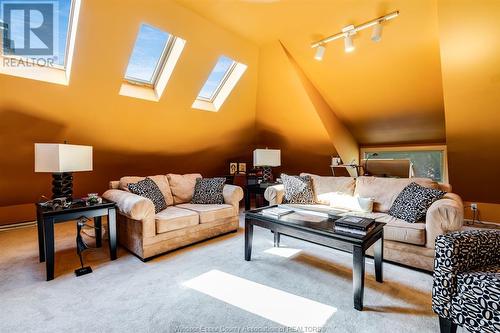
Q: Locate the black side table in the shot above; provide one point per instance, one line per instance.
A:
(47, 217)
(256, 190)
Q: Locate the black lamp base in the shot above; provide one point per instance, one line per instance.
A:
(62, 185)
(267, 175)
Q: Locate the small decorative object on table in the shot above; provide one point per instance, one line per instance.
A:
(233, 168)
(92, 199)
(242, 167)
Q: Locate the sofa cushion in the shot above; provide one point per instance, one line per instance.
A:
(209, 213)
(174, 218)
(147, 188)
(182, 186)
(298, 189)
(412, 203)
(351, 203)
(160, 181)
(324, 186)
(209, 191)
(385, 190)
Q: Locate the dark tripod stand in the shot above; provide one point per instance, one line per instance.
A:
(81, 245)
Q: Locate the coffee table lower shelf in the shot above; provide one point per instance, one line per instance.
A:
(356, 246)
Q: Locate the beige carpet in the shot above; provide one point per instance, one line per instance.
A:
(206, 287)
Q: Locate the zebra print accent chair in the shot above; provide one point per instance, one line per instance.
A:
(466, 290)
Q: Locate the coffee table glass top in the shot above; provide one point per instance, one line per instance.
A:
(309, 219)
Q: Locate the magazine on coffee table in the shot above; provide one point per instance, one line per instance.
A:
(277, 211)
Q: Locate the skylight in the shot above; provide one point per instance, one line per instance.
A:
(219, 84)
(150, 46)
(38, 38)
(216, 77)
(151, 63)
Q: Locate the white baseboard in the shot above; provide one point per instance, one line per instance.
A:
(17, 225)
(493, 225)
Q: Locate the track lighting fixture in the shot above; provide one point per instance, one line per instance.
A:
(348, 44)
(350, 31)
(377, 33)
(320, 53)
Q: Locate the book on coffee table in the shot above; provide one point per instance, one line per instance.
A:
(277, 212)
(354, 222)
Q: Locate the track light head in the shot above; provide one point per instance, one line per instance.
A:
(377, 32)
(320, 52)
(348, 44)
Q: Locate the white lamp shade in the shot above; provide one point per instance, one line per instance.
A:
(55, 158)
(267, 157)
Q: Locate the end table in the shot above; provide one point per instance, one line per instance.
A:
(47, 217)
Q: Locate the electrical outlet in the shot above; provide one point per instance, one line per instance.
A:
(473, 206)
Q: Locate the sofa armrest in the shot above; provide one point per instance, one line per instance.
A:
(232, 196)
(134, 207)
(443, 216)
(458, 252)
(274, 194)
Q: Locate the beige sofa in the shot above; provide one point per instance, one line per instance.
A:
(410, 244)
(147, 234)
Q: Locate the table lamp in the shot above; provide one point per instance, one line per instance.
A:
(61, 160)
(267, 158)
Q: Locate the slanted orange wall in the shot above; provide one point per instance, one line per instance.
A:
(291, 115)
(470, 62)
(130, 136)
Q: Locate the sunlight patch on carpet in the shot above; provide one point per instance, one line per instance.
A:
(273, 304)
(286, 252)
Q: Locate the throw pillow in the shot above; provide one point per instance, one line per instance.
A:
(412, 203)
(182, 186)
(352, 203)
(298, 189)
(147, 188)
(208, 191)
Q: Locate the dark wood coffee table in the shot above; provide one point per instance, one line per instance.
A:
(320, 230)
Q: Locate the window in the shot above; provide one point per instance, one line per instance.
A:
(38, 38)
(219, 84)
(151, 63)
(428, 161)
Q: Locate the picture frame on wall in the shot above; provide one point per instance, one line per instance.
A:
(242, 167)
(233, 168)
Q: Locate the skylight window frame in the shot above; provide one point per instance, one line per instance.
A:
(66, 46)
(224, 88)
(220, 85)
(51, 73)
(160, 65)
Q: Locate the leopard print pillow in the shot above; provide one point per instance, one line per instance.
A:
(147, 188)
(298, 189)
(412, 203)
(208, 191)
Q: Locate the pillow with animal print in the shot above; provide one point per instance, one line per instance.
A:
(209, 191)
(412, 203)
(298, 189)
(147, 188)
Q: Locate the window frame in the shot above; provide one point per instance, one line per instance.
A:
(440, 148)
(160, 65)
(222, 82)
(224, 88)
(66, 46)
(57, 74)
